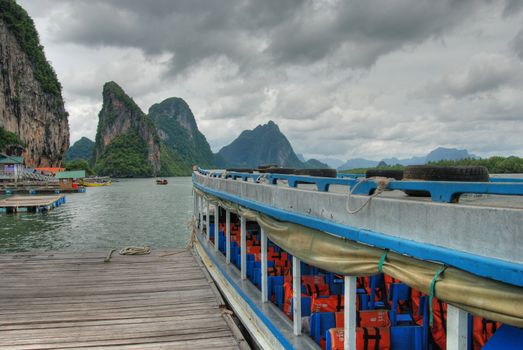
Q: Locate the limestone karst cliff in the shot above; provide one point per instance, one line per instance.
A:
(127, 144)
(31, 104)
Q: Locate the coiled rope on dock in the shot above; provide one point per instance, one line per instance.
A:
(128, 251)
(135, 250)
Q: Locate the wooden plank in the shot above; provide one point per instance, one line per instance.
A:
(74, 300)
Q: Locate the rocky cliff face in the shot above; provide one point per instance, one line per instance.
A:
(127, 143)
(184, 144)
(31, 104)
(266, 144)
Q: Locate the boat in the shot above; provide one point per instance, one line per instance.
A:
(96, 181)
(352, 262)
(161, 181)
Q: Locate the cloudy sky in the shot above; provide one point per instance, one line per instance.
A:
(341, 78)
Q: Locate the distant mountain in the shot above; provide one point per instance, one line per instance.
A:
(301, 157)
(358, 163)
(81, 149)
(266, 144)
(331, 162)
(440, 153)
(314, 164)
(407, 161)
(183, 145)
(127, 144)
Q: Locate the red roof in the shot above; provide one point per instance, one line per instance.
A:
(50, 170)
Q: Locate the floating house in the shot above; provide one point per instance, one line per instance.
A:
(11, 168)
(70, 179)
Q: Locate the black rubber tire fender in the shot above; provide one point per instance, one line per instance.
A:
(389, 173)
(267, 166)
(443, 173)
(240, 170)
(446, 173)
(284, 171)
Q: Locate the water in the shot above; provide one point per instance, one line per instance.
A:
(130, 212)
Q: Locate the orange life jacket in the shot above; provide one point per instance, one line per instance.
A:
(365, 318)
(372, 318)
(315, 285)
(367, 338)
(255, 250)
(332, 303)
(482, 330)
(415, 302)
(439, 326)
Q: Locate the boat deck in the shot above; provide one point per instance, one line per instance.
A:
(164, 300)
(31, 203)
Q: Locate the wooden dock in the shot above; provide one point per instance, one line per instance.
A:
(164, 300)
(13, 204)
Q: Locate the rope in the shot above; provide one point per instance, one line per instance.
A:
(135, 251)
(433, 291)
(382, 260)
(262, 178)
(381, 182)
(108, 257)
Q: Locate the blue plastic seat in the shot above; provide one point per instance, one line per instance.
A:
(305, 306)
(320, 323)
(272, 283)
(400, 292)
(506, 338)
(376, 282)
(406, 338)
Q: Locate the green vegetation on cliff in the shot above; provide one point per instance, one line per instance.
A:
(183, 145)
(171, 164)
(82, 149)
(127, 143)
(125, 156)
(22, 27)
(8, 138)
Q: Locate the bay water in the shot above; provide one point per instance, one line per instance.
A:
(131, 212)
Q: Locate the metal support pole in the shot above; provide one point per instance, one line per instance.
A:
(227, 236)
(208, 221)
(350, 313)
(457, 328)
(296, 295)
(195, 209)
(200, 214)
(216, 227)
(264, 290)
(243, 248)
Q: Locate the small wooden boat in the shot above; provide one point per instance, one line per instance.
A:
(161, 181)
(96, 181)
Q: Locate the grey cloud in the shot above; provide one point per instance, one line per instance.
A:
(484, 73)
(314, 67)
(352, 34)
(516, 44)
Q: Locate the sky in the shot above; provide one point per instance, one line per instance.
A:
(343, 79)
